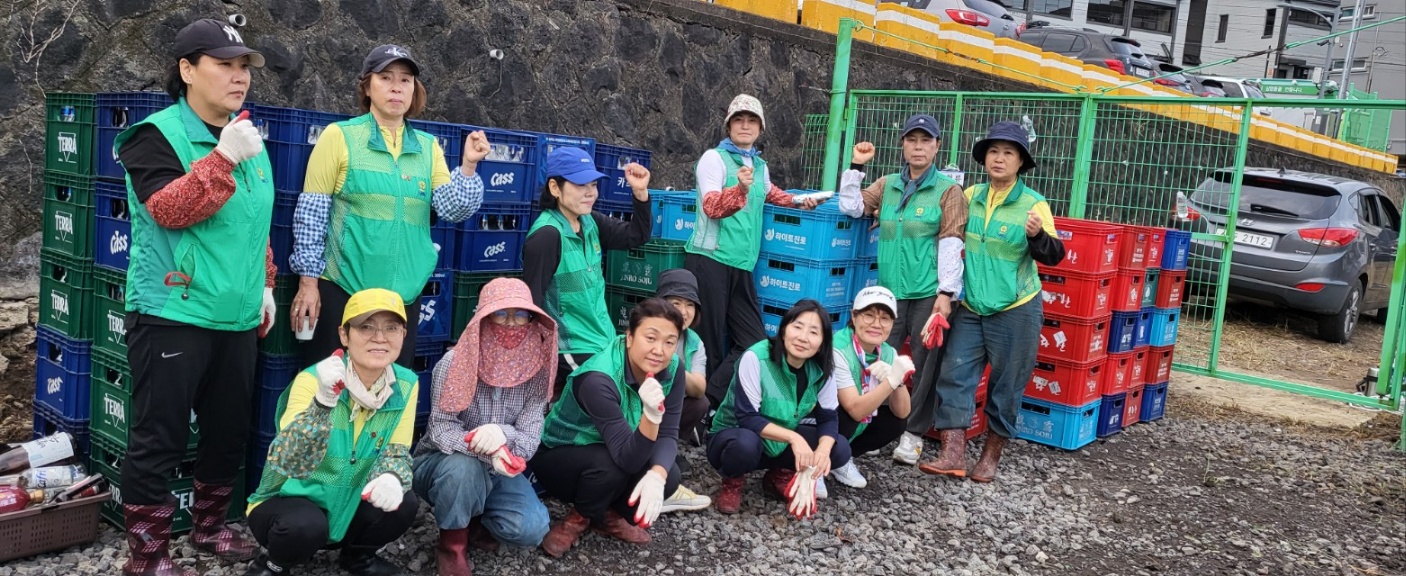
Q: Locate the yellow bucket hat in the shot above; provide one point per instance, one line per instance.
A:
(373, 300)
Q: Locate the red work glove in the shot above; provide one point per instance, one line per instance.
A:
(932, 333)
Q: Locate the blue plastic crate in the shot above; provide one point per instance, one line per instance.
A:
(788, 279)
(435, 315)
(1110, 420)
(117, 111)
(281, 228)
(1122, 331)
(450, 138)
(292, 125)
(1163, 330)
(548, 142)
(47, 423)
(1175, 245)
(112, 226)
(427, 355)
(866, 274)
(445, 237)
(290, 163)
(1154, 402)
(820, 234)
(1067, 427)
(675, 213)
(773, 311)
(509, 172)
(275, 374)
(61, 372)
(1143, 332)
(869, 247)
(611, 160)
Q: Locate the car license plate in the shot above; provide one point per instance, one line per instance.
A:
(1142, 72)
(1251, 239)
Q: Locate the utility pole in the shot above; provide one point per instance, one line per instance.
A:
(1351, 45)
(1128, 18)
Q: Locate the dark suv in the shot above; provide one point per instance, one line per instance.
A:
(1122, 55)
(1311, 242)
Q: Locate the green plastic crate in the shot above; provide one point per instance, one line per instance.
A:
(1149, 288)
(70, 129)
(619, 302)
(639, 269)
(111, 396)
(466, 288)
(280, 340)
(106, 458)
(66, 294)
(110, 311)
(68, 214)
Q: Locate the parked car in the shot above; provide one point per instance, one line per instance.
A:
(1311, 242)
(1207, 87)
(989, 15)
(1171, 76)
(1117, 53)
(1241, 88)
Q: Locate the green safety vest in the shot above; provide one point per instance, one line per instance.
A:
(378, 235)
(576, 298)
(844, 342)
(569, 425)
(223, 256)
(688, 346)
(736, 240)
(336, 484)
(999, 270)
(779, 402)
(908, 236)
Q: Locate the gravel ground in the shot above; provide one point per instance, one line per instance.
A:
(1201, 492)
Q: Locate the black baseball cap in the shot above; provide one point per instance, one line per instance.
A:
(382, 56)
(216, 39)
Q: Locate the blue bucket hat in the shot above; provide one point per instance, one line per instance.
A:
(1009, 132)
(573, 164)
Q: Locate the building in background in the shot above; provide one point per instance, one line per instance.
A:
(1378, 60)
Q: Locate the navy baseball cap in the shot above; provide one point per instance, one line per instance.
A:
(924, 122)
(574, 164)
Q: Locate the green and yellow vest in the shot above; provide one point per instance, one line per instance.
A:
(779, 402)
(576, 298)
(908, 235)
(999, 270)
(844, 343)
(736, 240)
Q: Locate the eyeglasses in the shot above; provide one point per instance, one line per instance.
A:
(369, 330)
(875, 317)
(518, 317)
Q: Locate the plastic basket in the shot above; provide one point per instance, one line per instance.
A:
(1089, 247)
(1067, 427)
(48, 422)
(466, 288)
(1154, 402)
(611, 161)
(290, 163)
(509, 172)
(1175, 246)
(1117, 373)
(112, 226)
(1132, 407)
(1156, 237)
(1137, 374)
(866, 274)
(1159, 364)
(1121, 331)
(445, 238)
(110, 311)
(1164, 324)
(1132, 249)
(491, 239)
(1064, 382)
(292, 125)
(436, 308)
(1127, 291)
(427, 356)
(978, 424)
(449, 136)
(1143, 333)
(773, 311)
(117, 111)
(111, 401)
(785, 279)
(61, 374)
(69, 133)
(1069, 294)
(619, 302)
(820, 234)
(1149, 287)
(68, 214)
(869, 247)
(639, 268)
(1074, 340)
(275, 374)
(1110, 419)
(50, 527)
(66, 294)
(675, 214)
(281, 227)
(1169, 289)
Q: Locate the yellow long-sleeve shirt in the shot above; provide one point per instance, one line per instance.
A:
(327, 167)
(995, 197)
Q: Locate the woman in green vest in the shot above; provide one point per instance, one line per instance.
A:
(200, 189)
(609, 443)
(869, 376)
(921, 215)
(778, 382)
(363, 218)
(1009, 229)
(561, 259)
(338, 473)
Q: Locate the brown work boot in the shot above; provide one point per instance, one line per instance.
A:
(985, 469)
(149, 541)
(776, 481)
(451, 554)
(730, 496)
(952, 461)
(618, 527)
(210, 532)
(565, 533)
(480, 537)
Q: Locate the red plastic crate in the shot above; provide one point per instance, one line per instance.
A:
(1069, 294)
(1138, 373)
(1132, 249)
(1075, 340)
(1133, 408)
(1117, 373)
(1063, 382)
(1089, 247)
(1159, 364)
(978, 425)
(1169, 288)
(1127, 291)
(1155, 237)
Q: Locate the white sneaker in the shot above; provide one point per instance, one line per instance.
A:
(849, 475)
(685, 500)
(820, 492)
(910, 448)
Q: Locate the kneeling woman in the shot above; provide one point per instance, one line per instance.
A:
(608, 445)
(869, 377)
(778, 382)
(338, 471)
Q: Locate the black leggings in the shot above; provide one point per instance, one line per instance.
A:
(293, 529)
(729, 318)
(587, 478)
(325, 341)
(884, 428)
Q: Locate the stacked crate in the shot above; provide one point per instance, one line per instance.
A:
(1166, 317)
(820, 254)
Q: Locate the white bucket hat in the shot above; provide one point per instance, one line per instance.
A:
(745, 103)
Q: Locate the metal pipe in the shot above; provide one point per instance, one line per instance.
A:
(830, 172)
(1351, 45)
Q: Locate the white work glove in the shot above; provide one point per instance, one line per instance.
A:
(240, 140)
(880, 370)
(485, 439)
(902, 367)
(506, 463)
(384, 492)
(269, 311)
(331, 379)
(648, 498)
(802, 494)
(652, 400)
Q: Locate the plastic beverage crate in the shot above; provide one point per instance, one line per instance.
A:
(788, 279)
(1071, 294)
(1121, 331)
(509, 172)
(290, 163)
(1132, 409)
(1159, 364)
(1154, 402)
(1149, 287)
(619, 302)
(436, 308)
(1175, 247)
(280, 340)
(675, 214)
(281, 228)
(47, 422)
(1127, 291)
(112, 226)
(258, 446)
(866, 274)
(611, 160)
(820, 234)
(68, 214)
(427, 356)
(69, 133)
(292, 125)
(1067, 427)
(491, 239)
(1132, 249)
(1074, 340)
(1090, 247)
(66, 294)
(548, 142)
(275, 374)
(773, 311)
(978, 425)
(869, 247)
(61, 373)
(1110, 419)
(444, 238)
(1064, 382)
(1137, 373)
(1169, 289)
(1155, 239)
(1117, 373)
(117, 111)
(1163, 331)
(110, 311)
(466, 288)
(449, 136)
(639, 268)
(106, 459)
(111, 398)
(1143, 333)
